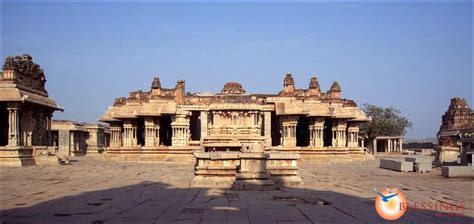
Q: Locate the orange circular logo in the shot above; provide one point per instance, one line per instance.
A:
(391, 204)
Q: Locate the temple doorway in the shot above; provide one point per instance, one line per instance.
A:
(327, 138)
(302, 131)
(140, 131)
(276, 130)
(3, 125)
(195, 125)
(165, 130)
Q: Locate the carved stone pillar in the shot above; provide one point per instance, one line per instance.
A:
(389, 145)
(204, 122)
(316, 132)
(374, 145)
(152, 132)
(72, 143)
(115, 136)
(268, 128)
(180, 128)
(13, 125)
(130, 133)
(339, 134)
(288, 125)
(353, 135)
(49, 138)
(401, 144)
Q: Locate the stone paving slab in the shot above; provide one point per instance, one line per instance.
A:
(92, 191)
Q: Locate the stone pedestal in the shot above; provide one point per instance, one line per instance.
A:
(253, 173)
(215, 169)
(283, 168)
(446, 154)
(16, 156)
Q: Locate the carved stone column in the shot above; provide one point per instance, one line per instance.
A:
(316, 132)
(115, 136)
(374, 145)
(180, 128)
(130, 133)
(401, 144)
(389, 145)
(268, 128)
(152, 132)
(288, 124)
(13, 125)
(339, 134)
(49, 138)
(72, 143)
(204, 124)
(353, 134)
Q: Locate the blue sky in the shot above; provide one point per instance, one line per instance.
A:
(413, 56)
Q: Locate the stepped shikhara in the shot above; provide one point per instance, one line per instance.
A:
(234, 133)
(456, 134)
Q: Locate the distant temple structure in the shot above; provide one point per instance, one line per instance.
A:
(293, 118)
(230, 129)
(25, 112)
(456, 134)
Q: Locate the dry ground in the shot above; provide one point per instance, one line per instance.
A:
(94, 191)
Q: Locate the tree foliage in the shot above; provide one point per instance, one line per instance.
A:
(385, 122)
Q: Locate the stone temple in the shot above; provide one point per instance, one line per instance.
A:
(456, 134)
(233, 132)
(25, 113)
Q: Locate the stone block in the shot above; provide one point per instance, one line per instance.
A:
(420, 159)
(423, 167)
(396, 165)
(457, 171)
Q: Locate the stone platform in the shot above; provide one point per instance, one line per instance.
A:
(16, 156)
(94, 191)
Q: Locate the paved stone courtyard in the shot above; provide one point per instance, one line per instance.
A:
(94, 191)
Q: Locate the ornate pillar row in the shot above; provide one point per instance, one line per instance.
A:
(13, 125)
